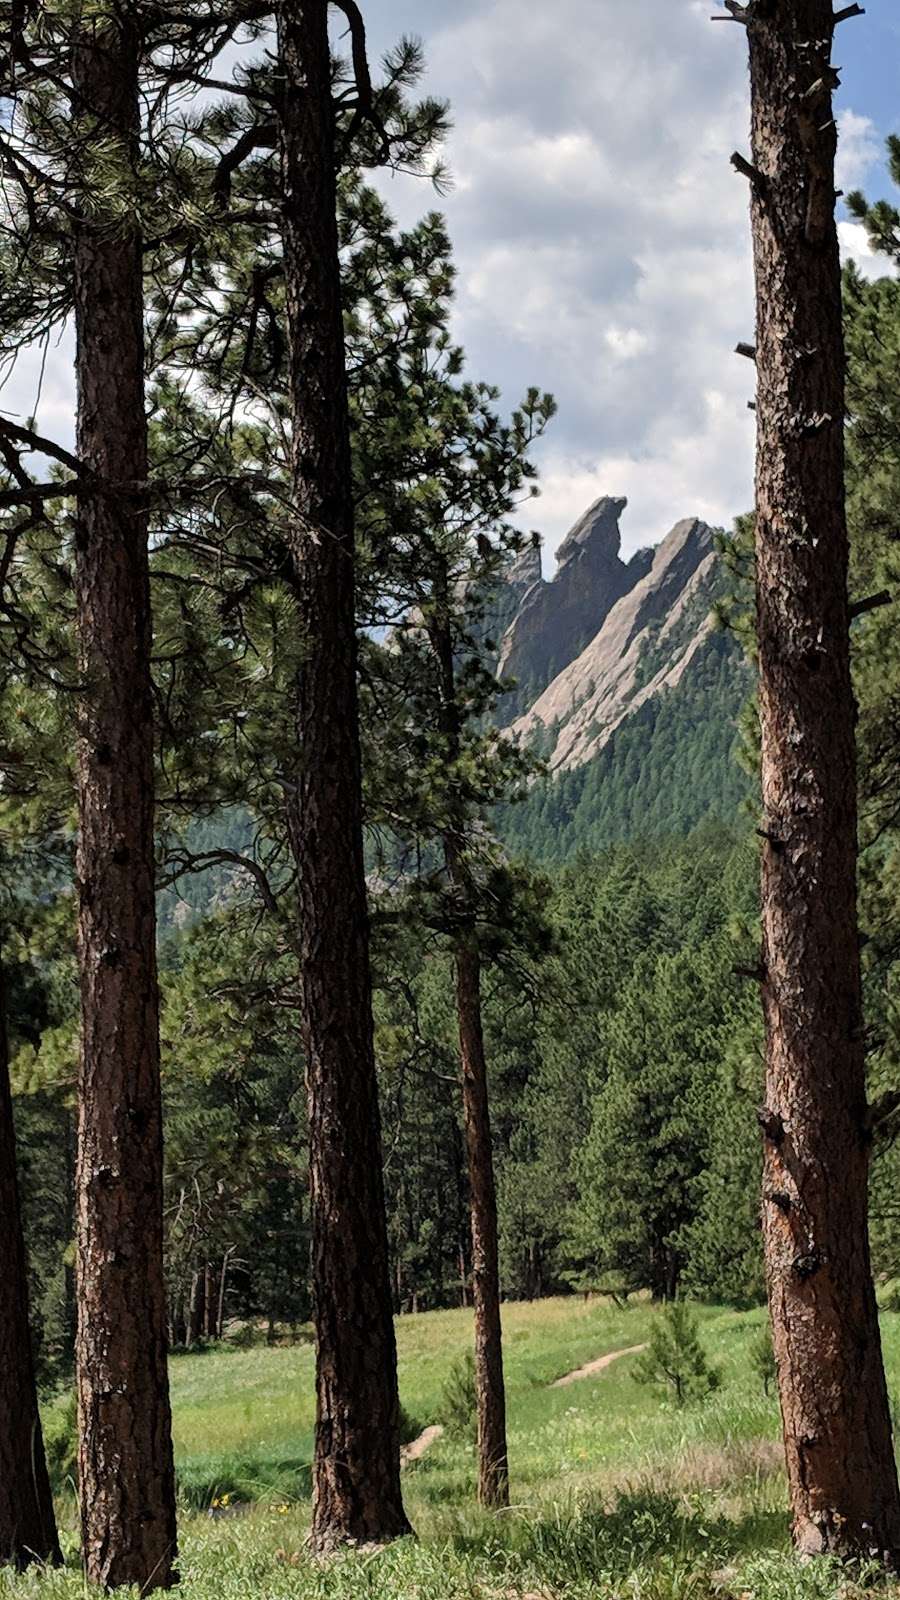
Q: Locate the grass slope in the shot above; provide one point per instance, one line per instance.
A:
(616, 1493)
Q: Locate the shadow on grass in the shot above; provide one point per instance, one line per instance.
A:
(642, 1528)
(439, 1488)
(242, 1480)
(254, 1478)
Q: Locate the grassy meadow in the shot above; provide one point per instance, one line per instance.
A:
(615, 1491)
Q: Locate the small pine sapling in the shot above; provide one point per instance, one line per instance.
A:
(762, 1358)
(459, 1399)
(675, 1360)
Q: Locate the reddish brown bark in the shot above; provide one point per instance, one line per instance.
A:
(27, 1522)
(493, 1462)
(127, 1494)
(493, 1459)
(356, 1475)
(837, 1426)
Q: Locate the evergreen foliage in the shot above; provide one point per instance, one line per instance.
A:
(670, 767)
(675, 1360)
(762, 1358)
(460, 1398)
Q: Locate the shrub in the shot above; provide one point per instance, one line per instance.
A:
(889, 1295)
(762, 1358)
(61, 1445)
(459, 1399)
(246, 1337)
(675, 1360)
(645, 1543)
(226, 1484)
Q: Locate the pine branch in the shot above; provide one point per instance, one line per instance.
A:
(31, 441)
(262, 136)
(185, 861)
(875, 602)
(365, 99)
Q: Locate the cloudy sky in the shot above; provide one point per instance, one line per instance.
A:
(601, 236)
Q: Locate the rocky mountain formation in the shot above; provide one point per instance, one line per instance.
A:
(592, 646)
(623, 686)
(553, 622)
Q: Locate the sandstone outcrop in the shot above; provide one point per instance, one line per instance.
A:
(654, 618)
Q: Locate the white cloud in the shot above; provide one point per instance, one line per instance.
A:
(855, 247)
(602, 240)
(42, 383)
(859, 149)
(670, 478)
(626, 343)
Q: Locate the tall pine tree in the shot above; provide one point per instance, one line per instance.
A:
(126, 1472)
(816, 1125)
(356, 1473)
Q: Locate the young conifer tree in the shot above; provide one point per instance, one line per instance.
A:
(493, 1454)
(460, 480)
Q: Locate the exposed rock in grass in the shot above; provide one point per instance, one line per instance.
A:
(417, 1448)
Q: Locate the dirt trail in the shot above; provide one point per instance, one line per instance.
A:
(593, 1367)
(417, 1448)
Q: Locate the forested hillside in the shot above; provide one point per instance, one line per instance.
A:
(621, 931)
(671, 765)
(618, 682)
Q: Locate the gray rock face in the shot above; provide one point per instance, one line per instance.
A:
(502, 605)
(595, 538)
(526, 571)
(644, 645)
(554, 621)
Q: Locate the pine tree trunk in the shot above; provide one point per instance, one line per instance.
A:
(197, 1324)
(127, 1493)
(837, 1425)
(461, 1199)
(493, 1459)
(357, 1450)
(223, 1290)
(493, 1462)
(179, 1322)
(212, 1304)
(27, 1522)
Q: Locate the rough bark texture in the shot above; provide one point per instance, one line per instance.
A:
(127, 1494)
(197, 1322)
(837, 1426)
(356, 1475)
(493, 1462)
(27, 1522)
(493, 1459)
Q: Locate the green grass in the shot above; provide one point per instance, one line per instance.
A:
(616, 1493)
